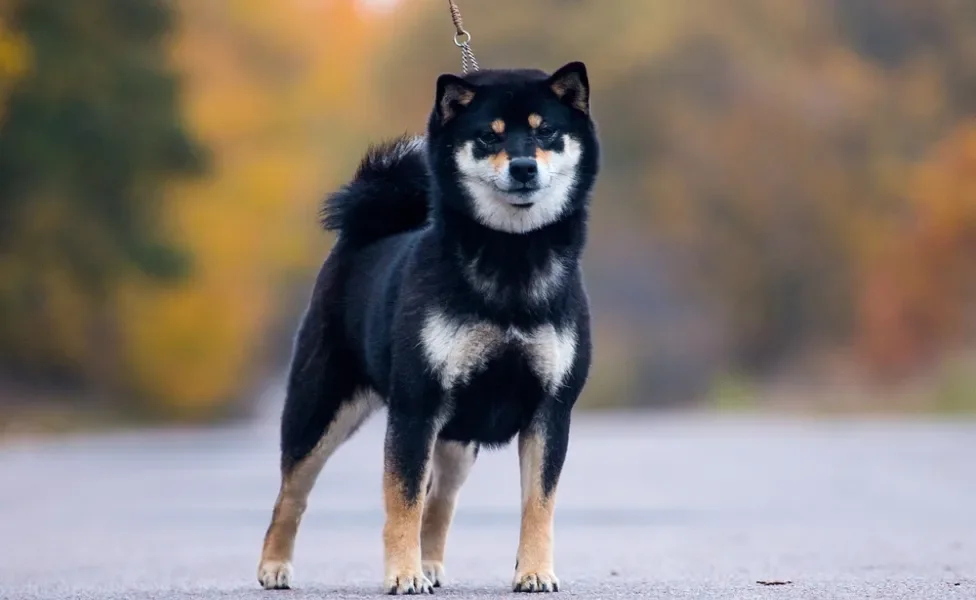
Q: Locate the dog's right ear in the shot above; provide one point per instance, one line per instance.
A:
(453, 95)
(572, 86)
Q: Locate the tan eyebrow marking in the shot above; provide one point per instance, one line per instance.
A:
(535, 120)
(498, 126)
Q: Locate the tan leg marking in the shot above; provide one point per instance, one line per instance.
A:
(275, 570)
(534, 572)
(401, 537)
(452, 463)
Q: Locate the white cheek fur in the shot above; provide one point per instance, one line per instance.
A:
(481, 181)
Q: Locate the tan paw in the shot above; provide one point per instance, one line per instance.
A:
(538, 581)
(408, 582)
(275, 574)
(434, 571)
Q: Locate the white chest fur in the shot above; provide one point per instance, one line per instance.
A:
(455, 350)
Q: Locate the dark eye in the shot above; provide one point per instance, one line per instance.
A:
(545, 132)
(488, 138)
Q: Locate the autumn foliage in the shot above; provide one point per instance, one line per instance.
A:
(918, 299)
(267, 91)
(270, 89)
(780, 179)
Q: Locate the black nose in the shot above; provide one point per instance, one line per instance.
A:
(522, 170)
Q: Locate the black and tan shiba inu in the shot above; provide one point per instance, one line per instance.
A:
(453, 297)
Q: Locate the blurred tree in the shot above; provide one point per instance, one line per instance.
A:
(90, 133)
(918, 299)
(276, 90)
(13, 55)
(100, 221)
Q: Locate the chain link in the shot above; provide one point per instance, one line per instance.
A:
(462, 39)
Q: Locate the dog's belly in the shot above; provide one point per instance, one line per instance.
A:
(496, 402)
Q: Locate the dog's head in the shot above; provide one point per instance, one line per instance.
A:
(516, 150)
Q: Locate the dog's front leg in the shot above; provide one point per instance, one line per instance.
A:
(409, 443)
(542, 451)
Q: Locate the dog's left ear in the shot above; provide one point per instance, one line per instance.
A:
(453, 95)
(572, 86)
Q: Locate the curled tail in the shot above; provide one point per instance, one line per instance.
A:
(387, 195)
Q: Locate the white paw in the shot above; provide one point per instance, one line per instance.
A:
(275, 574)
(540, 581)
(434, 571)
(408, 582)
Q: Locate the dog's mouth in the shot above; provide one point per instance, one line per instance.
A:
(519, 200)
(519, 195)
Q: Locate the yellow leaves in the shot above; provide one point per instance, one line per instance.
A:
(14, 60)
(13, 54)
(272, 89)
(189, 348)
(944, 197)
(945, 188)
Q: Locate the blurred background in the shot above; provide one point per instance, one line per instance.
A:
(786, 218)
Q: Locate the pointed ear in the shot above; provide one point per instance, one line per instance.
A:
(572, 86)
(453, 95)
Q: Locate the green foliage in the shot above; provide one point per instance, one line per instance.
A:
(91, 135)
(733, 393)
(94, 125)
(956, 390)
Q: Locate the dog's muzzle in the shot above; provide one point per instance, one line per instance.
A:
(523, 170)
(524, 176)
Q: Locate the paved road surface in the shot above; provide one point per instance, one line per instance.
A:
(649, 507)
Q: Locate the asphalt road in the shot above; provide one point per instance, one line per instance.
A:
(649, 507)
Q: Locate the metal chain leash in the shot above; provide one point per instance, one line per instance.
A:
(462, 39)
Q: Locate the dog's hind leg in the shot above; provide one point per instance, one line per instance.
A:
(452, 463)
(325, 403)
